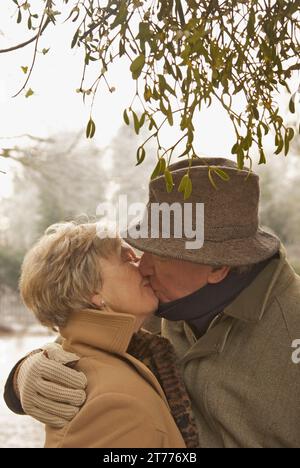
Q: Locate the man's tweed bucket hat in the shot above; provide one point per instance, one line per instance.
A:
(232, 235)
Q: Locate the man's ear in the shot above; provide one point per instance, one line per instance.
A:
(218, 274)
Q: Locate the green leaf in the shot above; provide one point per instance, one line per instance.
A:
(24, 70)
(262, 159)
(140, 155)
(163, 165)
(289, 135)
(136, 122)
(29, 23)
(240, 158)
(164, 86)
(286, 145)
(122, 49)
(251, 24)
(90, 129)
(265, 127)
(121, 16)
(156, 170)
(29, 93)
(266, 50)
(142, 120)
(188, 189)
(75, 10)
(137, 66)
(222, 174)
(19, 18)
(279, 142)
(210, 176)
(186, 186)
(183, 183)
(255, 113)
(75, 39)
(152, 123)
(6, 152)
(45, 51)
(170, 116)
(235, 148)
(246, 142)
(259, 134)
(145, 34)
(292, 104)
(147, 93)
(159, 168)
(169, 181)
(125, 117)
(186, 151)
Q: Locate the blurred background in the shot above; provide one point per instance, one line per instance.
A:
(49, 172)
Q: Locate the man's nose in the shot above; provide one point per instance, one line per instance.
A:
(146, 266)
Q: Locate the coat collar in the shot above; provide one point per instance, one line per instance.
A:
(251, 304)
(89, 331)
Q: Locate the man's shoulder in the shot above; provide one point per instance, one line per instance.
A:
(287, 299)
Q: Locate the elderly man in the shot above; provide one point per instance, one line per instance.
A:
(231, 309)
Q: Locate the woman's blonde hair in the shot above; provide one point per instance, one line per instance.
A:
(62, 271)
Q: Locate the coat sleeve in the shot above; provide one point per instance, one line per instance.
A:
(113, 421)
(10, 398)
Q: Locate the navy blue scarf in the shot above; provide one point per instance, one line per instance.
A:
(201, 307)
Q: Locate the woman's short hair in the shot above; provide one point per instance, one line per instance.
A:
(62, 271)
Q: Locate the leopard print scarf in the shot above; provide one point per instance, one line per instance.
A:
(159, 356)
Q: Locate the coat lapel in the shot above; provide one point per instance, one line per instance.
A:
(212, 342)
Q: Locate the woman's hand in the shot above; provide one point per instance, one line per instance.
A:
(49, 390)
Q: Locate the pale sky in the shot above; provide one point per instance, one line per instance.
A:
(56, 107)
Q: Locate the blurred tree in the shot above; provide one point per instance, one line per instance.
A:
(280, 202)
(128, 179)
(62, 179)
(10, 261)
(183, 54)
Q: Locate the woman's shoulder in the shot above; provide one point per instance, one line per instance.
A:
(111, 373)
(119, 401)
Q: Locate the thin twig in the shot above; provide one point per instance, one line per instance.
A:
(34, 55)
(24, 44)
(31, 137)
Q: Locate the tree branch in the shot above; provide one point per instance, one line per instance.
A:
(24, 44)
(38, 36)
(180, 13)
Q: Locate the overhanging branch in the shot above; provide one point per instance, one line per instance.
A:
(24, 44)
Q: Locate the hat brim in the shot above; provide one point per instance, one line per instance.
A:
(234, 252)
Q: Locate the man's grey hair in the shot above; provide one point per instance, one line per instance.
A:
(243, 269)
(240, 270)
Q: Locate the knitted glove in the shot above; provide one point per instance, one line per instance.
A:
(50, 391)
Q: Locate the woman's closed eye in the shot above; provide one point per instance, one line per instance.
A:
(132, 259)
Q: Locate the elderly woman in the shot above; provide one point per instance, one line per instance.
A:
(90, 289)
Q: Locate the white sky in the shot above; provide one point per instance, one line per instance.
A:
(56, 107)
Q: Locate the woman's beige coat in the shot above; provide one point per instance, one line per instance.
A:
(125, 406)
